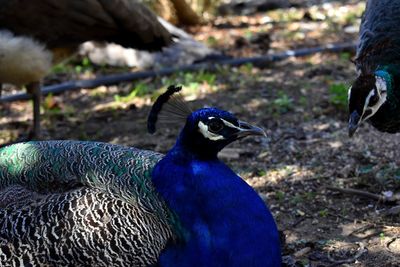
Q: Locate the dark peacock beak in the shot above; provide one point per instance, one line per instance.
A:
(354, 122)
(246, 129)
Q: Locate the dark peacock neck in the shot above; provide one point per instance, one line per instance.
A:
(191, 146)
(387, 118)
(221, 215)
(391, 74)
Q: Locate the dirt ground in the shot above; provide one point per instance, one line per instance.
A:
(301, 102)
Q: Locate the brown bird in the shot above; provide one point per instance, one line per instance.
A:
(35, 34)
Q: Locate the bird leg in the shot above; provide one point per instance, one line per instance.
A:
(34, 90)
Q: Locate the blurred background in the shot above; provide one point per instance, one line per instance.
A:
(300, 101)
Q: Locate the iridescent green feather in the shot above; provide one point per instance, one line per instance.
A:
(58, 166)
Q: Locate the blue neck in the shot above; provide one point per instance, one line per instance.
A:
(388, 72)
(225, 222)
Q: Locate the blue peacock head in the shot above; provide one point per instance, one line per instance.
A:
(209, 130)
(206, 130)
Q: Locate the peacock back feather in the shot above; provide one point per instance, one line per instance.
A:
(74, 203)
(54, 166)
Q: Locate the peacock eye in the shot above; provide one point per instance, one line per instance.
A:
(373, 100)
(215, 125)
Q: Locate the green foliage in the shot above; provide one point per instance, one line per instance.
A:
(280, 195)
(296, 199)
(323, 213)
(85, 65)
(261, 172)
(141, 89)
(70, 67)
(303, 101)
(382, 236)
(199, 77)
(247, 68)
(345, 56)
(191, 80)
(248, 34)
(61, 68)
(338, 95)
(212, 41)
(282, 104)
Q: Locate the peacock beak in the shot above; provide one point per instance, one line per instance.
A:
(246, 129)
(354, 122)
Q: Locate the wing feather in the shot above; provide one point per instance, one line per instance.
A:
(60, 23)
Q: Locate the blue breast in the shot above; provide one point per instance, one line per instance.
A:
(225, 222)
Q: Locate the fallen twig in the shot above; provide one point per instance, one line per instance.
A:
(391, 242)
(361, 229)
(363, 193)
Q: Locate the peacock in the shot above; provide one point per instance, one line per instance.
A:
(81, 203)
(34, 34)
(375, 94)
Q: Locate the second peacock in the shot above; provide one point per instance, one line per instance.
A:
(375, 95)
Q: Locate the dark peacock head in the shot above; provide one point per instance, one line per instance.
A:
(206, 130)
(366, 96)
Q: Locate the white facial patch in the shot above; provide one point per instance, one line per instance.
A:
(207, 134)
(382, 94)
(349, 93)
(227, 123)
(230, 125)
